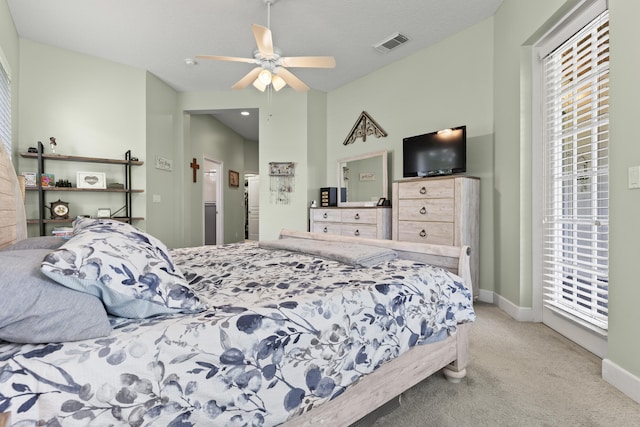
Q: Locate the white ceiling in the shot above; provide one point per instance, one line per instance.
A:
(158, 35)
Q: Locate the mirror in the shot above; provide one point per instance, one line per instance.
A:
(363, 178)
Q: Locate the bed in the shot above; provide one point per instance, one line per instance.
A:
(309, 329)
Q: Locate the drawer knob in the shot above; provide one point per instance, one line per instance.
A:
(423, 190)
(325, 230)
(423, 233)
(324, 215)
(356, 216)
(356, 233)
(423, 211)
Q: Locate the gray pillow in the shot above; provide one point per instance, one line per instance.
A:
(42, 242)
(129, 270)
(35, 309)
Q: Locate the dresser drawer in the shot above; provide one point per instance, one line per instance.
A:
(438, 188)
(358, 216)
(332, 215)
(426, 210)
(326, 227)
(440, 233)
(354, 230)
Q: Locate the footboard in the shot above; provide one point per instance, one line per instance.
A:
(412, 367)
(390, 380)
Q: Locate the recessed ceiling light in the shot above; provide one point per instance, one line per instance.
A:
(190, 61)
(245, 113)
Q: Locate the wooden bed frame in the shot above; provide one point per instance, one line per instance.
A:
(398, 375)
(370, 392)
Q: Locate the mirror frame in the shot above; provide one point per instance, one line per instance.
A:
(385, 178)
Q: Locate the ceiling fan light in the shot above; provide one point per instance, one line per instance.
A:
(258, 84)
(278, 82)
(265, 77)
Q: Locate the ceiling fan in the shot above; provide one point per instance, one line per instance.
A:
(272, 67)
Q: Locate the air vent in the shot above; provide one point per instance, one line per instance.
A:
(391, 42)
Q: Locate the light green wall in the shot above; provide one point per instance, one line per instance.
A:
(251, 158)
(10, 55)
(624, 316)
(446, 85)
(94, 108)
(163, 133)
(283, 129)
(515, 22)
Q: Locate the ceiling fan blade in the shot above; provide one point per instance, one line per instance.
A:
(263, 40)
(227, 58)
(292, 80)
(247, 79)
(309, 61)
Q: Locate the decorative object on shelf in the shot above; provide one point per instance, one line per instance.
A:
(234, 179)
(59, 210)
(164, 164)
(64, 232)
(103, 213)
(195, 166)
(47, 180)
(281, 169)
(116, 185)
(282, 182)
(64, 183)
(30, 179)
(91, 180)
(53, 144)
(364, 126)
(32, 150)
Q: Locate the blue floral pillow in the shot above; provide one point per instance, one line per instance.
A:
(129, 270)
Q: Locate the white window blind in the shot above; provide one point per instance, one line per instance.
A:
(5, 109)
(576, 175)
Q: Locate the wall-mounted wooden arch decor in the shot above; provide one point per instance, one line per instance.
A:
(364, 126)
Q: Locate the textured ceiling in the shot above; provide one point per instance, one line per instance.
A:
(158, 35)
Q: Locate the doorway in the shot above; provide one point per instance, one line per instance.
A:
(252, 188)
(212, 198)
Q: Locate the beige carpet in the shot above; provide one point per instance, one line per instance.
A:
(521, 374)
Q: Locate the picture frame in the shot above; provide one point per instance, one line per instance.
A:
(234, 178)
(381, 201)
(93, 180)
(30, 179)
(103, 213)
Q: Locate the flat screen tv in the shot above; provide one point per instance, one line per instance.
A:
(443, 152)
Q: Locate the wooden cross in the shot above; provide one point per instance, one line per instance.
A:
(194, 164)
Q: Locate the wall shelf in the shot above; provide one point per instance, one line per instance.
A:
(127, 190)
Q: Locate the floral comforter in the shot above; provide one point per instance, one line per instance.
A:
(284, 333)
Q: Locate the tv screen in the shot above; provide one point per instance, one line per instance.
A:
(443, 152)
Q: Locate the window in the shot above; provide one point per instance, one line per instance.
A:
(576, 175)
(5, 108)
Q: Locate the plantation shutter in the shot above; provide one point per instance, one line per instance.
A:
(576, 175)
(5, 109)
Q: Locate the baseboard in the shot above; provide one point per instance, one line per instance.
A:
(521, 314)
(621, 379)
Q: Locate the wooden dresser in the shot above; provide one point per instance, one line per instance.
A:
(370, 222)
(440, 210)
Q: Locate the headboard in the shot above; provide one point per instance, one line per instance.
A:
(13, 222)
